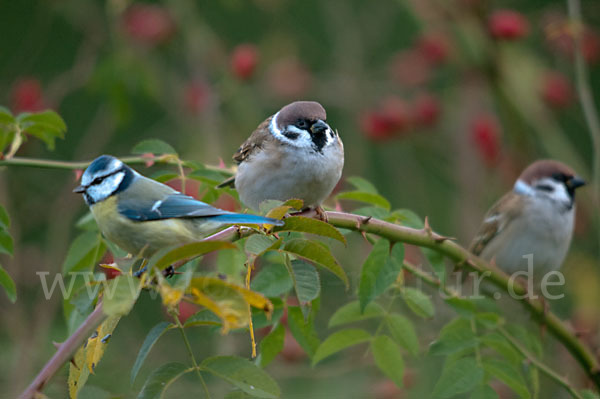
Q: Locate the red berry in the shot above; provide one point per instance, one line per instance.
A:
(292, 352)
(149, 24)
(196, 96)
(244, 60)
(186, 310)
(376, 126)
(110, 273)
(289, 78)
(508, 25)
(485, 134)
(410, 68)
(434, 48)
(192, 186)
(27, 96)
(426, 110)
(396, 112)
(556, 90)
(227, 202)
(590, 46)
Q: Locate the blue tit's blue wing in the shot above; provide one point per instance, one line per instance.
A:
(171, 206)
(147, 200)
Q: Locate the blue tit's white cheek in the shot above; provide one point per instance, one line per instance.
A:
(108, 186)
(100, 169)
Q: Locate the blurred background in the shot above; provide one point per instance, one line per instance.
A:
(440, 104)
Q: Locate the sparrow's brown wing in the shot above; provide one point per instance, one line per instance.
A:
(496, 220)
(255, 142)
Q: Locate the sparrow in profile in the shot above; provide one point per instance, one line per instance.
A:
(292, 154)
(536, 218)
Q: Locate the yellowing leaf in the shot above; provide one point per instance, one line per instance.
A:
(190, 251)
(228, 301)
(78, 374)
(96, 344)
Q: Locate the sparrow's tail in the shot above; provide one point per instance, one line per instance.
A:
(241, 218)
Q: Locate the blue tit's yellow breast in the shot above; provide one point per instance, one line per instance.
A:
(145, 238)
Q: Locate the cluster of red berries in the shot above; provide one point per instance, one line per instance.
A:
(395, 116)
(410, 68)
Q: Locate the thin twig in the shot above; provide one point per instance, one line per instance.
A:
(191, 352)
(65, 352)
(74, 165)
(419, 273)
(585, 94)
(539, 364)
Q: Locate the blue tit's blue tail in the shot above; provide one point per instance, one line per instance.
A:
(242, 218)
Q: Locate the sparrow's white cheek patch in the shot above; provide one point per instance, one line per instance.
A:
(523, 188)
(297, 138)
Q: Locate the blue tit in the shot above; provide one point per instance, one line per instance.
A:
(142, 216)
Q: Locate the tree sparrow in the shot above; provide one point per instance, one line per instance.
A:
(292, 154)
(534, 220)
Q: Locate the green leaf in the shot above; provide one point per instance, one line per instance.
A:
(484, 392)
(6, 117)
(317, 253)
(508, 374)
(120, 294)
(257, 244)
(271, 345)
(45, 125)
(408, 218)
(436, 260)
(9, 285)
(403, 331)
(418, 302)
(362, 184)
(351, 312)
(272, 280)
(388, 358)
(455, 336)
(260, 318)
(203, 318)
(306, 281)
(458, 377)
(85, 251)
(379, 271)
(370, 272)
(155, 333)
(153, 146)
(4, 219)
(6, 243)
(501, 345)
(243, 374)
(587, 394)
(191, 251)
(303, 330)
(48, 118)
(312, 226)
(338, 341)
(369, 198)
(161, 378)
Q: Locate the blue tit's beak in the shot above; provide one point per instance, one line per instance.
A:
(79, 189)
(576, 182)
(319, 127)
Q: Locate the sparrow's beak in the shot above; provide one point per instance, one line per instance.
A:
(319, 127)
(79, 189)
(576, 182)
